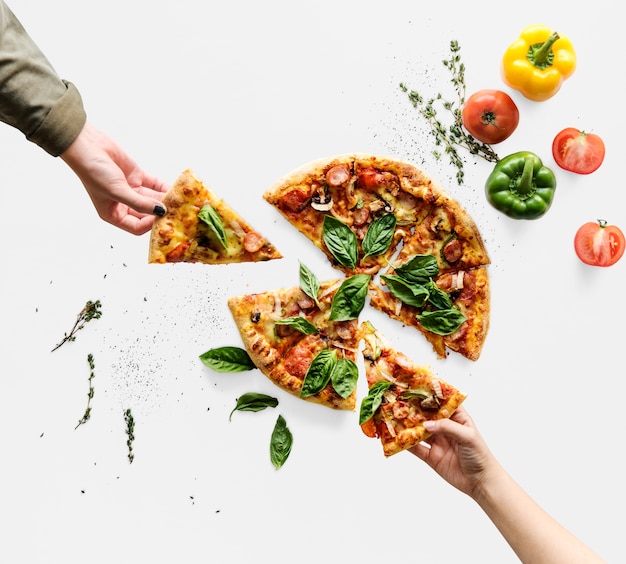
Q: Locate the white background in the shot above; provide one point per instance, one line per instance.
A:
(242, 92)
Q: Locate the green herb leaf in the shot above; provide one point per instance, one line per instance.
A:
(349, 299)
(253, 401)
(300, 323)
(227, 359)
(90, 311)
(442, 321)
(379, 235)
(344, 376)
(340, 241)
(372, 401)
(419, 269)
(437, 297)
(408, 293)
(319, 373)
(209, 215)
(309, 283)
(280, 443)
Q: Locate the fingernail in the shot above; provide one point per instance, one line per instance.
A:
(429, 425)
(159, 210)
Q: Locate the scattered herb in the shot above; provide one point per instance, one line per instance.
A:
(325, 367)
(344, 376)
(372, 401)
(455, 135)
(280, 443)
(349, 299)
(90, 394)
(340, 241)
(130, 432)
(299, 323)
(309, 283)
(379, 235)
(227, 359)
(318, 374)
(209, 215)
(413, 285)
(253, 401)
(89, 312)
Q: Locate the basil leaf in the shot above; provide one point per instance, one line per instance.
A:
(349, 299)
(300, 323)
(209, 215)
(379, 235)
(442, 321)
(340, 241)
(420, 268)
(410, 294)
(280, 443)
(253, 401)
(318, 374)
(344, 376)
(227, 359)
(309, 283)
(372, 401)
(437, 297)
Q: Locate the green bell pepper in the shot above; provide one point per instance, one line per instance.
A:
(520, 186)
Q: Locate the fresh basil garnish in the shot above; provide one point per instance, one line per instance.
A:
(280, 443)
(437, 297)
(379, 235)
(209, 215)
(299, 323)
(340, 241)
(319, 372)
(408, 293)
(442, 321)
(344, 376)
(372, 401)
(349, 299)
(419, 268)
(253, 401)
(309, 283)
(227, 359)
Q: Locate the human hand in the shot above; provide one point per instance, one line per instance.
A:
(122, 193)
(457, 452)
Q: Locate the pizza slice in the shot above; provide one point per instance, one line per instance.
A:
(448, 233)
(355, 208)
(201, 227)
(451, 309)
(293, 338)
(402, 395)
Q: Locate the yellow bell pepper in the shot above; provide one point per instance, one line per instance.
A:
(538, 62)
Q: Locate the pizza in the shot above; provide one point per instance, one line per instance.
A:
(291, 337)
(401, 395)
(201, 227)
(385, 217)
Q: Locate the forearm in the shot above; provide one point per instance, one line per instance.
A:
(531, 532)
(33, 98)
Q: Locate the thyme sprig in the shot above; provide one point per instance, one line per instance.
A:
(90, 394)
(130, 432)
(89, 312)
(454, 135)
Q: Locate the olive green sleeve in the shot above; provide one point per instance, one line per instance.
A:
(33, 98)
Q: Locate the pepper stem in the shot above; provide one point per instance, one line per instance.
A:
(540, 54)
(525, 187)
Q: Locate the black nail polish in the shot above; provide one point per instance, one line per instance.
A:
(159, 210)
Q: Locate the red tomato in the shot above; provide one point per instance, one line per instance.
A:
(577, 151)
(599, 244)
(491, 116)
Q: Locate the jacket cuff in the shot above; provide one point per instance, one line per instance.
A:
(63, 123)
